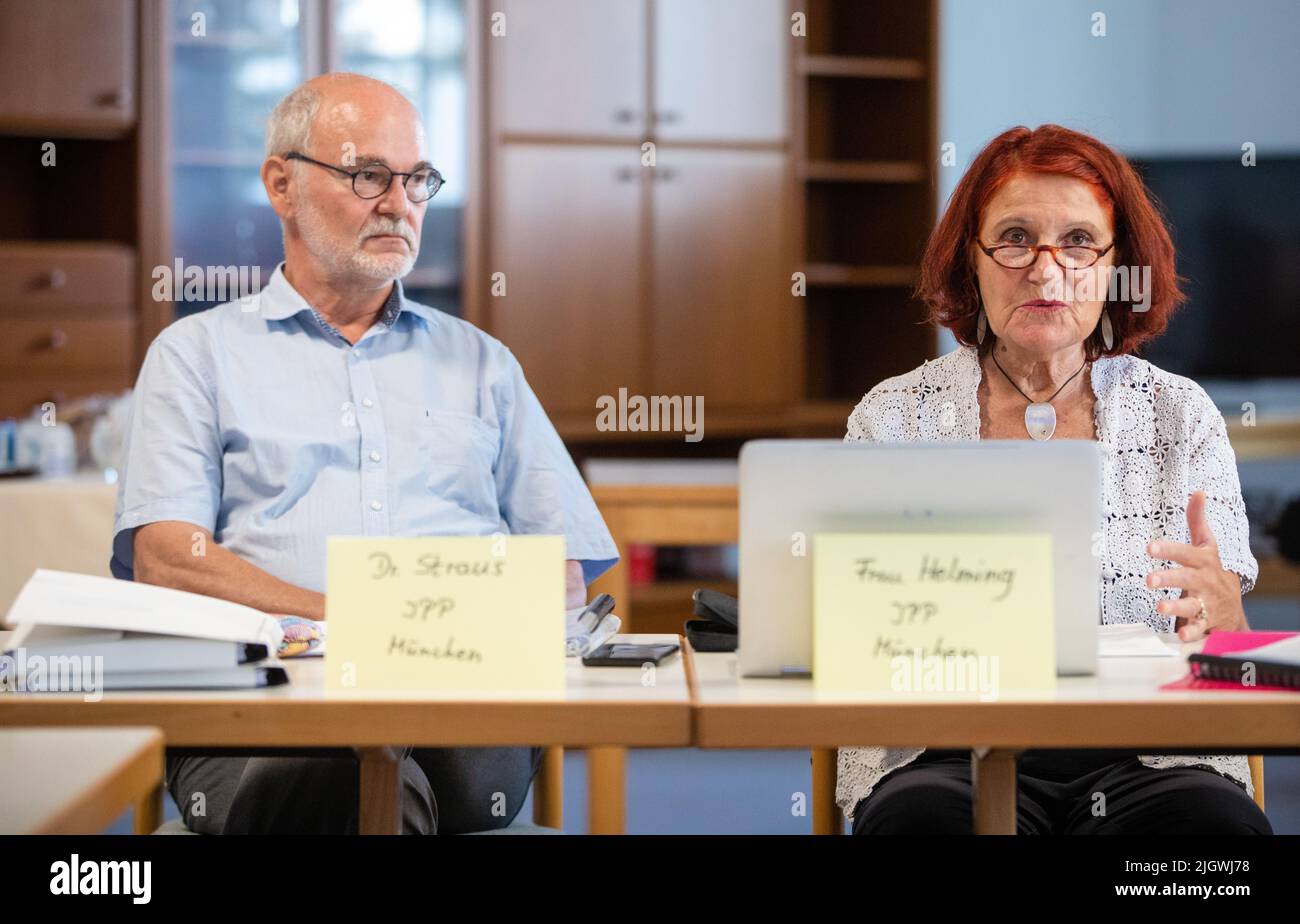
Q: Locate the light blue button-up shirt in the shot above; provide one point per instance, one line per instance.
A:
(258, 421)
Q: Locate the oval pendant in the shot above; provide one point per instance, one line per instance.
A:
(1040, 421)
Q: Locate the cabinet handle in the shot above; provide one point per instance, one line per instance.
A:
(111, 99)
(58, 339)
(625, 174)
(56, 279)
(668, 117)
(624, 116)
(666, 174)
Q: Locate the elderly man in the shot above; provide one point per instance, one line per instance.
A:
(329, 404)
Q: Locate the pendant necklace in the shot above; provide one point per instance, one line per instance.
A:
(1040, 416)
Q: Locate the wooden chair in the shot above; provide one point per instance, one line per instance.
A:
(548, 790)
(828, 819)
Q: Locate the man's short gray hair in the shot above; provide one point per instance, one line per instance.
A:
(289, 127)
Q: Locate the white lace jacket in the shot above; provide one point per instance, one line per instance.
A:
(1167, 440)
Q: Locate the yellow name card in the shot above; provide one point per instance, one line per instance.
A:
(433, 614)
(938, 615)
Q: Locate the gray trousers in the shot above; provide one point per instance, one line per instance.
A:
(444, 791)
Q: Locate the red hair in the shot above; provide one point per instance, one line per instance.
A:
(947, 282)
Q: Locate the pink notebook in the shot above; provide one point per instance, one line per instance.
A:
(1217, 643)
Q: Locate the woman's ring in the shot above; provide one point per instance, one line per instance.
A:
(1201, 617)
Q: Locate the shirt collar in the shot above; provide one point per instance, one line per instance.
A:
(280, 300)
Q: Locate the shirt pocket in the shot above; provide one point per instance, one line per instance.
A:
(458, 453)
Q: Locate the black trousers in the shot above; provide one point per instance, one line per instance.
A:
(1063, 792)
(444, 791)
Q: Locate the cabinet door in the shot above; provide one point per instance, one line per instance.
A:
(565, 230)
(720, 70)
(67, 68)
(568, 67)
(722, 313)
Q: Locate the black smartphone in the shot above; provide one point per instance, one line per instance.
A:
(623, 654)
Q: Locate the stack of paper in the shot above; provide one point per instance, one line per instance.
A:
(75, 630)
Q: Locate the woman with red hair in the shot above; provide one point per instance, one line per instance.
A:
(1052, 266)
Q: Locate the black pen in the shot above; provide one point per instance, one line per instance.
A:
(600, 608)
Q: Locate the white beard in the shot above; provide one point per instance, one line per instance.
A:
(350, 261)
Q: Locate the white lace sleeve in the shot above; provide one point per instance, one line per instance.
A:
(859, 426)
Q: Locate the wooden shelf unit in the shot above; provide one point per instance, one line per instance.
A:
(864, 86)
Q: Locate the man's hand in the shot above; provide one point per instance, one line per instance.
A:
(575, 588)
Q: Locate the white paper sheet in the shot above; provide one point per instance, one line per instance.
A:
(1131, 640)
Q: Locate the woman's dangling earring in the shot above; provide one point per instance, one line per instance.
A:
(1107, 330)
(981, 324)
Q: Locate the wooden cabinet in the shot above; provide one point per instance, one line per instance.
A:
(38, 278)
(664, 275)
(77, 235)
(55, 346)
(578, 68)
(568, 67)
(720, 70)
(595, 301)
(567, 241)
(84, 54)
(722, 313)
(67, 323)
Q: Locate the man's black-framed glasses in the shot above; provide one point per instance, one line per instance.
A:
(373, 180)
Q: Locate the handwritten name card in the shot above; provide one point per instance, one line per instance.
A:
(445, 614)
(926, 615)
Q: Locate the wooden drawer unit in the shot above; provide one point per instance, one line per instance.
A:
(39, 347)
(82, 278)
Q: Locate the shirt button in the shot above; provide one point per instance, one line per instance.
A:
(375, 505)
(366, 402)
(375, 457)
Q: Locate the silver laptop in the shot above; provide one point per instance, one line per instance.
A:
(812, 486)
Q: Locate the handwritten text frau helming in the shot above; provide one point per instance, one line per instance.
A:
(933, 570)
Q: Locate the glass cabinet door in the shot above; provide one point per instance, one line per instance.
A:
(231, 61)
(419, 46)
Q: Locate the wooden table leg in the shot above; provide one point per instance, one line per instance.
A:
(381, 791)
(548, 790)
(149, 811)
(606, 789)
(993, 790)
(826, 815)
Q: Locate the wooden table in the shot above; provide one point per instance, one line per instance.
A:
(1120, 707)
(661, 515)
(79, 780)
(603, 709)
